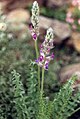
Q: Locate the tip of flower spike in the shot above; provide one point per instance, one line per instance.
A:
(49, 34)
(35, 2)
(50, 29)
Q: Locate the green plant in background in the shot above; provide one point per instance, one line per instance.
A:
(19, 97)
(32, 91)
(24, 97)
(14, 54)
(59, 13)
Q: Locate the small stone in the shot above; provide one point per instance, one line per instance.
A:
(15, 4)
(59, 3)
(2, 6)
(67, 71)
(20, 30)
(76, 41)
(18, 15)
(61, 30)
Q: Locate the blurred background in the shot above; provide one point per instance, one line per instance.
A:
(17, 46)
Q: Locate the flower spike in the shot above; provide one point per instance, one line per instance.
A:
(34, 27)
(45, 48)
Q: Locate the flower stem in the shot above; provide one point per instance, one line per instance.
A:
(36, 49)
(39, 76)
(37, 54)
(42, 83)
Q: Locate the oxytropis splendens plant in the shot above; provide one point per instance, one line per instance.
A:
(44, 56)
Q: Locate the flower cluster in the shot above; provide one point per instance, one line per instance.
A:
(72, 18)
(34, 27)
(46, 46)
(76, 3)
(69, 18)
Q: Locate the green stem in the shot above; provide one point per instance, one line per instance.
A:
(39, 76)
(42, 83)
(37, 55)
(36, 49)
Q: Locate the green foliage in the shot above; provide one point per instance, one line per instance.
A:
(19, 97)
(32, 106)
(32, 91)
(44, 108)
(59, 13)
(64, 102)
(63, 105)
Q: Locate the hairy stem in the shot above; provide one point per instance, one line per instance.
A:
(42, 83)
(37, 54)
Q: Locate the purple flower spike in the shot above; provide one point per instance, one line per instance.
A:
(45, 56)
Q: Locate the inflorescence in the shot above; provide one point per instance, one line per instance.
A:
(47, 45)
(34, 27)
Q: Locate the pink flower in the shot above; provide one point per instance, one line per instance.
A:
(69, 14)
(74, 26)
(74, 2)
(70, 20)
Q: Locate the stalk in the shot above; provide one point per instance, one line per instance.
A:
(37, 54)
(42, 83)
